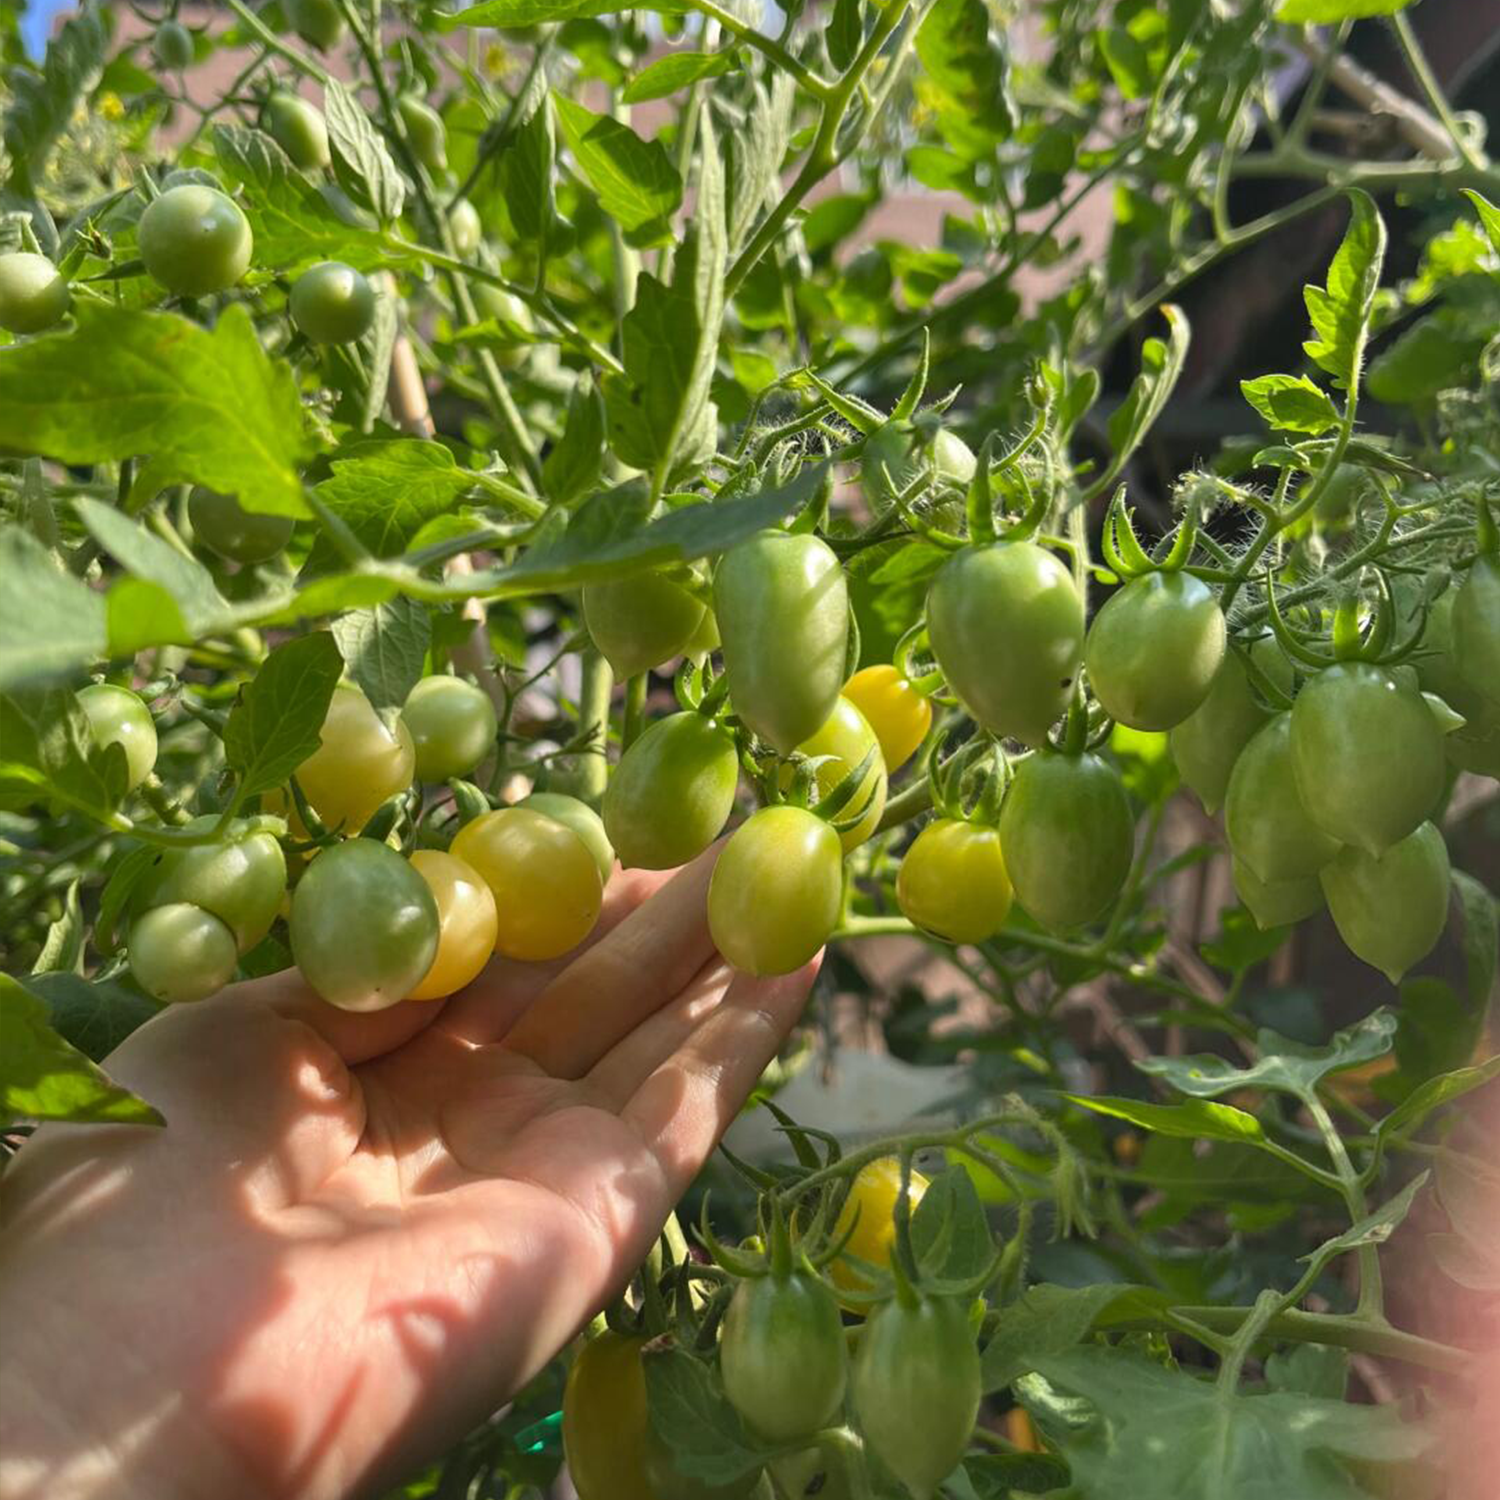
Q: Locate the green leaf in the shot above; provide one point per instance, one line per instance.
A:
(1161, 367)
(1373, 1229)
(361, 162)
(577, 457)
(636, 181)
(43, 1078)
(1196, 1120)
(1292, 403)
(1481, 935)
(1340, 312)
(949, 1231)
(1330, 12)
(965, 77)
(276, 723)
(998, 1476)
(694, 1420)
(63, 946)
(94, 1016)
(1241, 943)
(44, 101)
(1146, 764)
(509, 13)
(50, 621)
(845, 32)
(1319, 1370)
(1489, 216)
(1437, 354)
(211, 407)
(526, 174)
(384, 648)
(1046, 1320)
(1128, 61)
(1433, 1094)
(48, 749)
(677, 70)
(143, 614)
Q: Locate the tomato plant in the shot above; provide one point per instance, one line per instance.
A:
(894, 709)
(467, 923)
(452, 724)
(194, 240)
(953, 881)
(332, 303)
(180, 952)
(116, 716)
(298, 128)
(33, 293)
(641, 621)
(359, 763)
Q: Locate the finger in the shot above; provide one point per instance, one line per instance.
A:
(683, 1108)
(603, 996)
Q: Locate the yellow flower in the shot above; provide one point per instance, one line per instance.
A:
(111, 106)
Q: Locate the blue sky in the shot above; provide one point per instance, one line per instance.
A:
(36, 24)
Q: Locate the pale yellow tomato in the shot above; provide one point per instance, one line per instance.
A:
(896, 711)
(467, 924)
(870, 1208)
(359, 764)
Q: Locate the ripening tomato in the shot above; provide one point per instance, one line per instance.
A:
(1276, 903)
(358, 765)
(1068, 837)
(33, 293)
(582, 819)
(1006, 623)
(1475, 746)
(240, 879)
(466, 923)
(118, 717)
(953, 881)
(194, 240)
(1268, 826)
(238, 535)
(319, 22)
(298, 128)
(868, 1217)
(776, 892)
(180, 953)
(782, 608)
(846, 738)
(1476, 627)
(1391, 908)
(640, 621)
(452, 724)
(425, 132)
(547, 887)
(895, 710)
(332, 303)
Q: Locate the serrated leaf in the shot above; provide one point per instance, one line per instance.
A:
(1340, 312)
(577, 457)
(44, 100)
(1046, 1320)
(526, 174)
(635, 179)
(384, 648)
(361, 162)
(694, 1420)
(50, 621)
(1196, 1120)
(1292, 403)
(999, 1476)
(94, 1016)
(950, 1233)
(275, 724)
(677, 70)
(46, 746)
(1489, 216)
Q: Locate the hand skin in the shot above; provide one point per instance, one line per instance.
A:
(359, 1233)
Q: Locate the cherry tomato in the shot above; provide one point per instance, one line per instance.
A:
(298, 128)
(496, 303)
(1475, 746)
(358, 765)
(465, 227)
(319, 22)
(425, 132)
(953, 458)
(1068, 837)
(241, 879)
(1154, 648)
(224, 526)
(195, 240)
(332, 303)
(582, 819)
(782, 1355)
(180, 953)
(1006, 623)
(782, 608)
(118, 717)
(1206, 744)
(545, 879)
(467, 923)
(640, 621)
(916, 1388)
(452, 724)
(847, 738)
(672, 793)
(1276, 903)
(1476, 627)
(33, 293)
(953, 881)
(1268, 826)
(172, 46)
(895, 710)
(1391, 908)
(776, 891)
(364, 926)
(868, 1217)
(1368, 755)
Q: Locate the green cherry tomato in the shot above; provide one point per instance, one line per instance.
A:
(1276, 903)
(845, 739)
(641, 621)
(953, 458)
(1154, 648)
(1476, 628)
(332, 303)
(240, 879)
(1268, 827)
(782, 608)
(782, 1356)
(425, 132)
(172, 46)
(1206, 744)
(467, 923)
(1475, 746)
(953, 881)
(364, 926)
(895, 710)
(359, 762)
(452, 724)
(465, 227)
(1391, 908)
(195, 240)
(319, 22)
(672, 793)
(1006, 624)
(298, 128)
(776, 891)
(1068, 837)
(118, 717)
(916, 1389)
(180, 953)
(33, 294)
(582, 820)
(224, 526)
(1367, 753)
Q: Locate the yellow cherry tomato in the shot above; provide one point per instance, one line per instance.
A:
(871, 1209)
(604, 1420)
(953, 881)
(359, 764)
(848, 738)
(467, 924)
(897, 712)
(544, 878)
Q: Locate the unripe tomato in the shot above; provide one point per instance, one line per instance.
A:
(583, 821)
(495, 302)
(895, 710)
(33, 294)
(241, 880)
(118, 717)
(776, 891)
(953, 458)
(782, 608)
(452, 724)
(332, 303)
(180, 953)
(172, 46)
(364, 926)
(953, 881)
(1476, 745)
(359, 763)
(672, 792)
(782, 1355)
(319, 22)
(848, 738)
(1391, 908)
(1068, 837)
(546, 881)
(916, 1389)
(467, 923)
(1206, 744)
(1154, 648)
(464, 226)
(1268, 827)
(425, 132)
(1006, 623)
(195, 240)
(640, 621)
(1476, 627)
(1276, 903)
(298, 128)
(868, 1217)
(1368, 755)
(224, 526)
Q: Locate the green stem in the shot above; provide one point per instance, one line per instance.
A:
(593, 723)
(1416, 61)
(815, 85)
(1371, 1294)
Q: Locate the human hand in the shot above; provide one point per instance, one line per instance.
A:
(359, 1233)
